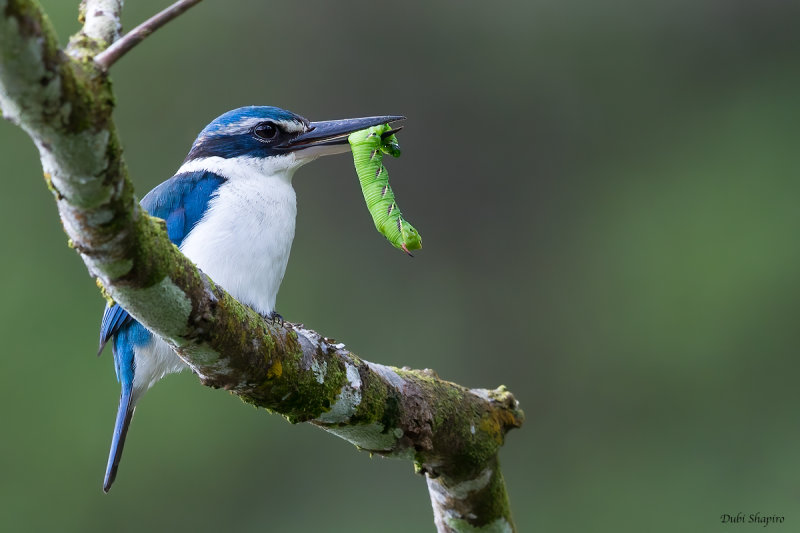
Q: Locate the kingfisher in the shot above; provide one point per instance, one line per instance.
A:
(231, 209)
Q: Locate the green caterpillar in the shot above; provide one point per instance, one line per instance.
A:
(368, 147)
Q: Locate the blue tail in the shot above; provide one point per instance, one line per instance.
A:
(124, 415)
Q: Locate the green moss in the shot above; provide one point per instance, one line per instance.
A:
(493, 503)
(85, 90)
(249, 400)
(494, 424)
(89, 91)
(391, 410)
(151, 253)
(103, 291)
(287, 387)
(303, 398)
(373, 403)
(317, 398)
(231, 336)
(79, 92)
(450, 399)
(33, 23)
(275, 371)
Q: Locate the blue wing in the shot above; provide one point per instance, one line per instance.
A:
(181, 201)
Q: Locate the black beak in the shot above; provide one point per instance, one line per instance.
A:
(333, 132)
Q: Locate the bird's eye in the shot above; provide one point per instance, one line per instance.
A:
(265, 131)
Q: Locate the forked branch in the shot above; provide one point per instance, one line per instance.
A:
(453, 434)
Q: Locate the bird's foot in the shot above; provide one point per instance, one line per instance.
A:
(274, 317)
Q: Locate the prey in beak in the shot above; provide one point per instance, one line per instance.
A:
(330, 136)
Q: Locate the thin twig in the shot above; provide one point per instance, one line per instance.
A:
(111, 54)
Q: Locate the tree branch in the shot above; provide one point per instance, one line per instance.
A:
(452, 433)
(108, 57)
(101, 19)
(457, 502)
(101, 27)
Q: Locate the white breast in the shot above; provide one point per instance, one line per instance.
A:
(244, 239)
(242, 242)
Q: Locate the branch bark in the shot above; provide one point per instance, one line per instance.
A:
(101, 19)
(64, 102)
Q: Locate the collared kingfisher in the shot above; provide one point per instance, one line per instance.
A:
(230, 208)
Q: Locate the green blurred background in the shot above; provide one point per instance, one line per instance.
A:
(608, 195)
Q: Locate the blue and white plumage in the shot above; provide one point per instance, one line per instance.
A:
(231, 209)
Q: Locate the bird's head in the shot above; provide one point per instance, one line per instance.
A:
(276, 139)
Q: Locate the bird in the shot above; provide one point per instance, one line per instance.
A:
(231, 209)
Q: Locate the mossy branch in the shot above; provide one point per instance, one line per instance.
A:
(64, 102)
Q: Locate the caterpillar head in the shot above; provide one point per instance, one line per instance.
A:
(380, 137)
(410, 238)
(390, 145)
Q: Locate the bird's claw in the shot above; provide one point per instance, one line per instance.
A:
(274, 317)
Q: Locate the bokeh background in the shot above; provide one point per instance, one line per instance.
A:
(608, 195)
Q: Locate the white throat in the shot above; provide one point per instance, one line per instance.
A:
(245, 168)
